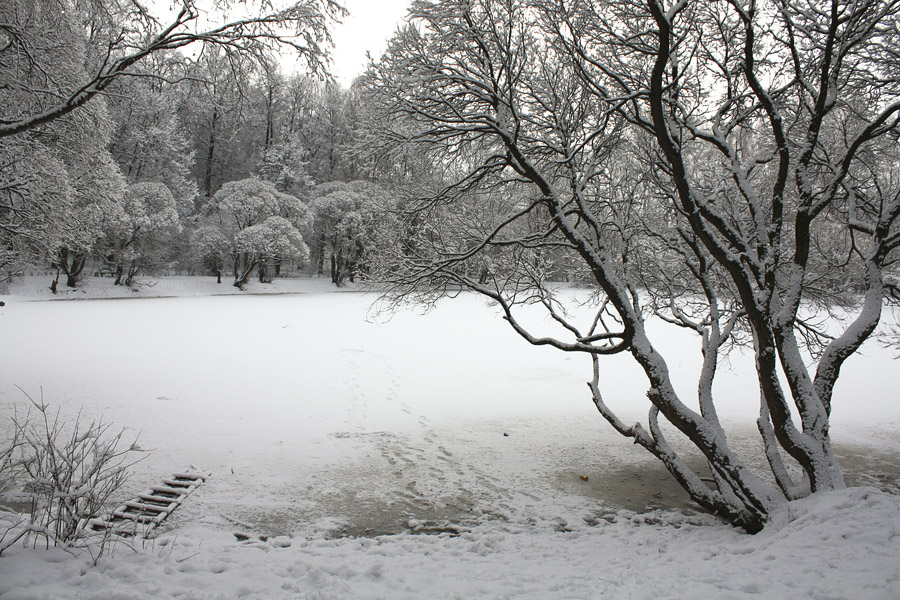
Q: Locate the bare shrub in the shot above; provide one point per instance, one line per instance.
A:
(67, 472)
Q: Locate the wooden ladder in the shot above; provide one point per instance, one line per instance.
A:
(143, 514)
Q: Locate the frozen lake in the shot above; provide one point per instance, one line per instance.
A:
(318, 418)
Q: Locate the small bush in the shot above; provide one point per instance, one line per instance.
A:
(68, 473)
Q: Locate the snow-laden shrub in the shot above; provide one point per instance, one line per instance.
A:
(67, 472)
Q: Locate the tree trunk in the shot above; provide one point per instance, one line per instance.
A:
(263, 272)
(210, 152)
(133, 270)
(70, 263)
(55, 282)
(242, 271)
(74, 272)
(270, 119)
(319, 256)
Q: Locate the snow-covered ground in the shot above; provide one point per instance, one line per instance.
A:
(428, 456)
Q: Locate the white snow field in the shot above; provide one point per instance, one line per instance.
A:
(429, 456)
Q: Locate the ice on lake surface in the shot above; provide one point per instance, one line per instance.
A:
(433, 494)
(317, 418)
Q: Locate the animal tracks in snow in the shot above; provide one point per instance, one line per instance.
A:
(370, 377)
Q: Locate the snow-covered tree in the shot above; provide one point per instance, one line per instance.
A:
(347, 219)
(321, 119)
(698, 161)
(139, 241)
(34, 186)
(284, 164)
(266, 244)
(149, 142)
(245, 204)
(97, 207)
(212, 248)
(61, 187)
(124, 34)
(216, 109)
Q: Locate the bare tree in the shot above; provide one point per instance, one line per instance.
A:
(701, 162)
(123, 33)
(69, 470)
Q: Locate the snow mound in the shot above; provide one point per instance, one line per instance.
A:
(862, 516)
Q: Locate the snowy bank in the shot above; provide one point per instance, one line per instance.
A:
(36, 288)
(841, 545)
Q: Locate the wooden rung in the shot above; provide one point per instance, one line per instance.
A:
(169, 490)
(189, 476)
(160, 499)
(178, 484)
(160, 492)
(101, 524)
(139, 517)
(120, 526)
(146, 507)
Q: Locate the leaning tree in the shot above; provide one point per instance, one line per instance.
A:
(728, 166)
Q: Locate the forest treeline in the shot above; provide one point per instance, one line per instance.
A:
(216, 163)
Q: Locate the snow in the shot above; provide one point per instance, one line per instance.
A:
(627, 558)
(426, 456)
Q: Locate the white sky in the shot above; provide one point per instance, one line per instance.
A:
(367, 28)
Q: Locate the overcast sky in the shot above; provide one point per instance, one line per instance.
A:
(367, 28)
